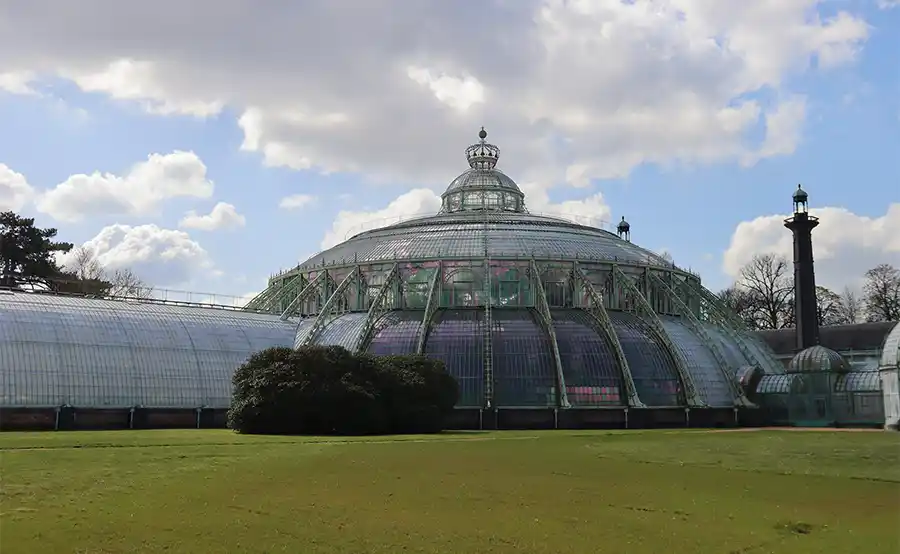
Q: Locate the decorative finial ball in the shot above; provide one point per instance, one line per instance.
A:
(482, 134)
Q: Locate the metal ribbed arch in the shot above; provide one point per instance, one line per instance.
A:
(593, 375)
(651, 319)
(524, 371)
(543, 310)
(607, 330)
(327, 314)
(397, 333)
(702, 370)
(431, 306)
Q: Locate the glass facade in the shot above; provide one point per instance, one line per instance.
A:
(399, 334)
(823, 398)
(890, 355)
(524, 368)
(593, 378)
(457, 339)
(82, 352)
(652, 367)
(708, 376)
(465, 234)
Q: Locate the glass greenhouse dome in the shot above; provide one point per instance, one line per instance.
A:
(526, 311)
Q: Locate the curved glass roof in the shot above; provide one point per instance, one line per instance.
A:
(890, 355)
(57, 350)
(523, 367)
(818, 358)
(475, 235)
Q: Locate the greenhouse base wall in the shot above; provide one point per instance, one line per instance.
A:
(72, 419)
(84, 419)
(599, 418)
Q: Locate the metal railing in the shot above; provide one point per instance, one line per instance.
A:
(147, 295)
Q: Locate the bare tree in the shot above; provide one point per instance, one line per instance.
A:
(92, 279)
(769, 283)
(741, 302)
(851, 306)
(829, 310)
(881, 293)
(125, 283)
(84, 265)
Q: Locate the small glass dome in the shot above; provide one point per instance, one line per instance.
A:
(818, 359)
(800, 194)
(483, 186)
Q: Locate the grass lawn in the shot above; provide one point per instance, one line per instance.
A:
(670, 492)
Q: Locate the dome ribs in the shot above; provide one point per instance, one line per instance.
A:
(641, 307)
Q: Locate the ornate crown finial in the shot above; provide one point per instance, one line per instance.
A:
(482, 155)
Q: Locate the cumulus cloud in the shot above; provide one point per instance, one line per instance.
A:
(573, 90)
(17, 82)
(845, 244)
(137, 192)
(15, 191)
(296, 201)
(161, 257)
(888, 4)
(222, 216)
(127, 79)
(416, 202)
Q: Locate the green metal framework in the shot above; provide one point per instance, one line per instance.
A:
(315, 286)
(431, 306)
(329, 311)
(713, 309)
(594, 286)
(546, 319)
(270, 299)
(378, 308)
(694, 323)
(640, 306)
(598, 312)
(488, 334)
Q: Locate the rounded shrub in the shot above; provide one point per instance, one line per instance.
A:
(319, 390)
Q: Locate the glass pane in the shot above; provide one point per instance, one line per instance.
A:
(398, 334)
(708, 378)
(652, 369)
(524, 372)
(456, 338)
(593, 378)
(98, 353)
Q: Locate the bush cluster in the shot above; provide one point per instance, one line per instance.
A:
(318, 390)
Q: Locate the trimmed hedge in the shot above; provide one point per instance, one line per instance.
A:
(327, 390)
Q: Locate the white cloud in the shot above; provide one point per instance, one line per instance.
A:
(15, 191)
(222, 216)
(127, 79)
(17, 82)
(572, 90)
(888, 4)
(296, 201)
(845, 244)
(415, 202)
(460, 93)
(783, 130)
(137, 192)
(161, 257)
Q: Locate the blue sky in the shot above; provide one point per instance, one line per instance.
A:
(710, 202)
